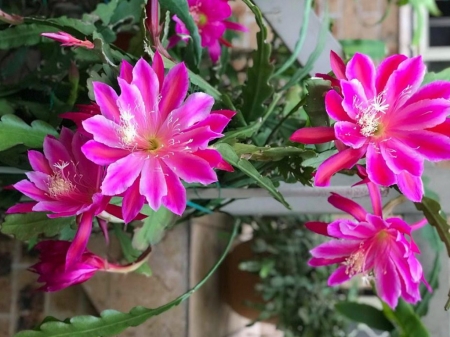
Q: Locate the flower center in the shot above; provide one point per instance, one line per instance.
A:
(369, 115)
(202, 19)
(355, 263)
(127, 129)
(153, 144)
(58, 184)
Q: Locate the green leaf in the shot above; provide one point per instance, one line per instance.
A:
(319, 158)
(432, 211)
(243, 132)
(23, 35)
(30, 225)
(127, 9)
(153, 229)
(432, 76)
(246, 167)
(180, 8)
(363, 313)
(252, 152)
(376, 49)
(257, 88)
(6, 107)
(105, 11)
(112, 322)
(406, 320)
(14, 131)
(78, 28)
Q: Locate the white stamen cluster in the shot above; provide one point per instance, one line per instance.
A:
(58, 184)
(355, 263)
(368, 117)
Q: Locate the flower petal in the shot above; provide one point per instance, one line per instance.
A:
(106, 98)
(355, 99)
(377, 168)
(339, 276)
(361, 67)
(318, 227)
(387, 283)
(190, 168)
(350, 134)
(348, 206)
(385, 70)
(345, 159)
(132, 201)
(31, 191)
(103, 130)
(81, 239)
(25, 207)
(126, 71)
(400, 157)
(319, 262)
(158, 68)
(335, 249)
(174, 89)
(102, 154)
(121, 174)
(196, 138)
(443, 128)
(153, 183)
(333, 105)
(314, 135)
(146, 81)
(212, 156)
(411, 186)
(38, 162)
(338, 66)
(175, 200)
(433, 90)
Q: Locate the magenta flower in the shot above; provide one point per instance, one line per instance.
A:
(65, 184)
(383, 114)
(210, 17)
(52, 268)
(380, 249)
(69, 40)
(150, 137)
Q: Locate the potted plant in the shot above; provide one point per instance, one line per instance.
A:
(268, 278)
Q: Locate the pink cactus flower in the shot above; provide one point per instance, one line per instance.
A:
(65, 184)
(385, 115)
(210, 17)
(69, 40)
(379, 249)
(55, 275)
(150, 137)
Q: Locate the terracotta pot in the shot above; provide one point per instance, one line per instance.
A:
(237, 286)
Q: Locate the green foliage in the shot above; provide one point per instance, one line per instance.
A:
(31, 225)
(257, 88)
(112, 322)
(14, 131)
(23, 35)
(181, 9)
(246, 167)
(443, 75)
(364, 313)
(406, 321)
(376, 49)
(432, 211)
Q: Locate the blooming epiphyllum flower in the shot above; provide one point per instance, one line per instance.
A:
(150, 137)
(54, 273)
(65, 184)
(378, 248)
(69, 40)
(210, 17)
(384, 114)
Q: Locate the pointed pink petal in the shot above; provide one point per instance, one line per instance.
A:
(443, 128)
(338, 66)
(420, 115)
(126, 71)
(132, 201)
(212, 156)
(63, 208)
(335, 249)
(430, 145)
(25, 207)
(90, 173)
(195, 109)
(214, 51)
(216, 121)
(158, 68)
(102, 154)
(361, 67)
(103, 130)
(81, 239)
(121, 174)
(387, 282)
(411, 186)
(400, 157)
(197, 138)
(385, 70)
(174, 89)
(146, 80)
(31, 191)
(339, 276)
(175, 200)
(348, 206)
(333, 105)
(377, 168)
(318, 262)
(350, 134)
(106, 98)
(66, 137)
(56, 153)
(190, 168)
(354, 98)
(153, 183)
(235, 26)
(375, 197)
(404, 82)
(39, 179)
(433, 90)
(349, 230)
(318, 227)
(103, 224)
(342, 160)
(38, 162)
(314, 135)
(225, 166)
